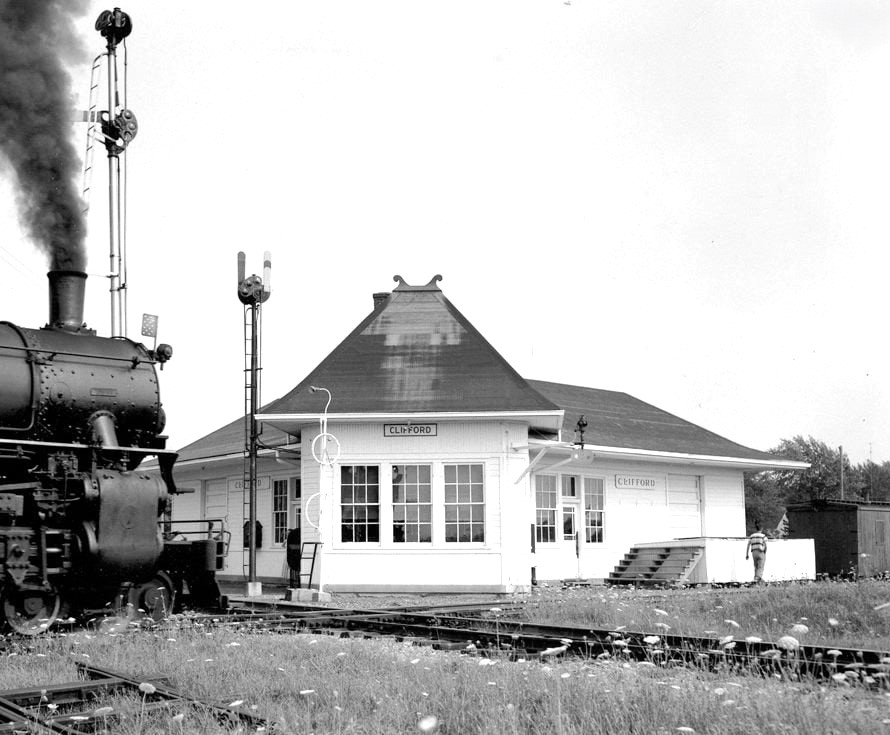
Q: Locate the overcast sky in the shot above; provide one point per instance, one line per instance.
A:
(684, 201)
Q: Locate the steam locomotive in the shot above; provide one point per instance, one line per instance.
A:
(81, 525)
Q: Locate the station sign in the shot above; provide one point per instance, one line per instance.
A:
(636, 482)
(263, 482)
(400, 430)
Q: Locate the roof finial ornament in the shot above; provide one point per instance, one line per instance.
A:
(431, 286)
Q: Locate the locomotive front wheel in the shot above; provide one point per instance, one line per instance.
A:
(30, 612)
(156, 597)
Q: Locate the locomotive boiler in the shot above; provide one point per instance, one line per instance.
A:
(81, 520)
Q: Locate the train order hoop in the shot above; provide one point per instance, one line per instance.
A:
(323, 454)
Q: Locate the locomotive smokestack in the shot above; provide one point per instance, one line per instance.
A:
(66, 292)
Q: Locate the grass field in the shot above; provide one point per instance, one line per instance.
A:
(319, 684)
(835, 613)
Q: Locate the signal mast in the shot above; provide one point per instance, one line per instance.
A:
(117, 128)
(253, 291)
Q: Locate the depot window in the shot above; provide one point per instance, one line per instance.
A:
(279, 511)
(594, 513)
(570, 487)
(360, 503)
(545, 508)
(412, 503)
(464, 503)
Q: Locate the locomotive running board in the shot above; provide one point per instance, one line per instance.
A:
(62, 445)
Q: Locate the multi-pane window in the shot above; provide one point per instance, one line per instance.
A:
(279, 511)
(568, 522)
(545, 508)
(412, 504)
(593, 510)
(570, 487)
(360, 503)
(464, 503)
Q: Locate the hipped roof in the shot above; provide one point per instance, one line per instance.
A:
(616, 419)
(416, 354)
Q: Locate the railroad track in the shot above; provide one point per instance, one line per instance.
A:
(489, 629)
(79, 707)
(483, 629)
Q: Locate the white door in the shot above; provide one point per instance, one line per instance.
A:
(216, 500)
(216, 503)
(684, 505)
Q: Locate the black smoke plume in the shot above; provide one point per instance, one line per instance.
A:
(36, 106)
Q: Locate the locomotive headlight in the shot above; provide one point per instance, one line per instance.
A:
(163, 352)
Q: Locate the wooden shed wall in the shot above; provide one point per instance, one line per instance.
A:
(873, 552)
(834, 532)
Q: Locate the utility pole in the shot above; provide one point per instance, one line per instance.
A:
(842, 470)
(871, 474)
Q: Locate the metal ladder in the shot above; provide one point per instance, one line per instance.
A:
(314, 553)
(92, 117)
(248, 386)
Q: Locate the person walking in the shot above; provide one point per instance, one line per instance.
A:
(757, 549)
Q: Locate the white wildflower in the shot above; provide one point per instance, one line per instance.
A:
(553, 651)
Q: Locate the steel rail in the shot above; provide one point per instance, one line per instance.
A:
(512, 638)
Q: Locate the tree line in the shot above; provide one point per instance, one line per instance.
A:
(831, 475)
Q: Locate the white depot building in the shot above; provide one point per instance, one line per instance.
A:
(414, 458)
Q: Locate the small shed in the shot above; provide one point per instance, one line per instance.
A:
(850, 537)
